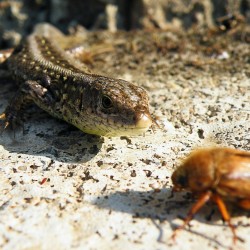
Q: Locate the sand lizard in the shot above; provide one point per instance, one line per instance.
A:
(68, 90)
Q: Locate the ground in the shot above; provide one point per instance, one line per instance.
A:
(63, 189)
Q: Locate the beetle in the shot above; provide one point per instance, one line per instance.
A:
(216, 174)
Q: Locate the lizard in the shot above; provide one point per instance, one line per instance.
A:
(69, 91)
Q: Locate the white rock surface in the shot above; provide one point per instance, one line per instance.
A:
(115, 193)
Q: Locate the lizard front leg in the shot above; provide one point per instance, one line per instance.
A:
(29, 91)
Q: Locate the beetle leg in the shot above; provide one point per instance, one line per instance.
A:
(205, 197)
(225, 214)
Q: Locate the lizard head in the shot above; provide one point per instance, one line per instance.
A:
(114, 107)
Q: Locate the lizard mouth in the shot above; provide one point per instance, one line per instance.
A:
(143, 121)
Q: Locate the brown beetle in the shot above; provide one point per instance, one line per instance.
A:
(216, 174)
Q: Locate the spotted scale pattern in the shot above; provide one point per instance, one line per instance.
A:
(68, 90)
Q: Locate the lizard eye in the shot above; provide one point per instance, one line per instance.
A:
(106, 102)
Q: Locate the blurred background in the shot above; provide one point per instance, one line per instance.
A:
(17, 18)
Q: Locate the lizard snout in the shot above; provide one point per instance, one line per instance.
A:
(143, 120)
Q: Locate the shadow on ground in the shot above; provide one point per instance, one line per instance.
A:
(43, 135)
(163, 206)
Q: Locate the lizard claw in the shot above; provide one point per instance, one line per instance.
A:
(8, 121)
(3, 116)
(6, 125)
